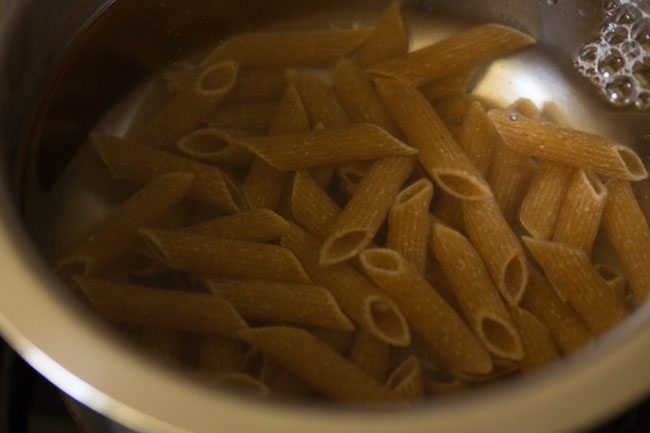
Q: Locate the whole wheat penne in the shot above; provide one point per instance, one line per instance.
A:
(477, 296)
(498, 246)
(476, 140)
(318, 365)
(265, 185)
(539, 347)
(282, 382)
(370, 355)
(258, 84)
(243, 384)
(357, 95)
(542, 203)
(159, 308)
(350, 175)
(438, 153)
(460, 52)
(201, 254)
(581, 211)
(427, 312)
(115, 234)
(450, 86)
(438, 383)
(253, 115)
(388, 39)
(406, 380)
(568, 330)
(319, 99)
(216, 146)
(360, 141)
(409, 223)
(338, 341)
(627, 230)
(220, 355)
(359, 299)
(453, 111)
(572, 275)
(261, 225)
(128, 160)
(614, 280)
(575, 148)
(311, 207)
(288, 48)
(361, 218)
(188, 106)
(302, 304)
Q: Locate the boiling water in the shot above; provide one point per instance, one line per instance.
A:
(617, 61)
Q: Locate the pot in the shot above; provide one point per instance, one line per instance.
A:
(64, 63)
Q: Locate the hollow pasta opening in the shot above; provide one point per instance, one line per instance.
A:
(344, 247)
(462, 186)
(499, 337)
(204, 142)
(514, 277)
(384, 260)
(607, 273)
(236, 197)
(632, 162)
(596, 186)
(218, 77)
(413, 191)
(390, 325)
(407, 370)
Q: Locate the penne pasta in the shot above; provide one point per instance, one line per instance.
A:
(188, 106)
(498, 246)
(219, 355)
(409, 223)
(258, 84)
(458, 53)
(302, 304)
(282, 382)
(215, 146)
(571, 147)
(159, 308)
(453, 111)
(388, 39)
(440, 384)
(451, 86)
(439, 154)
(318, 365)
(265, 185)
(260, 225)
(116, 233)
(357, 95)
(128, 160)
(567, 329)
(243, 384)
(542, 203)
(201, 254)
(311, 207)
(370, 355)
(355, 142)
(350, 175)
(406, 380)
(359, 299)
(615, 280)
(250, 116)
(576, 280)
(627, 230)
(338, 341)
(288, 47)
(539, 347)
(321, 103)
(452, 342)
(581, 212)
(477, 296)
(359, 222)
(166, 344)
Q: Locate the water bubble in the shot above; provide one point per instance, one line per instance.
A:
(630, 48)
(582, 12)
(628, 14)
(617, 35)
(641, 32)
(620, 91)
(643, 103)
(551, 2)
(513, 116)
(612, 6)
(589, 53)
(611, 64)
(642, 72)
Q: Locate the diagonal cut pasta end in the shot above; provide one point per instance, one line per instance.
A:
(156, 245)
(462, 185)
(344, 246)
(635, 167)
(407, 379)
(386, 322)
(514, 278)
(217, 79)
(500, 337)
(243, 384)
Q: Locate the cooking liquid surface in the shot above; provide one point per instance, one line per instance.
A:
(535, 73)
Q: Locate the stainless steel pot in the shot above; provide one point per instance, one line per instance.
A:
(63, 63)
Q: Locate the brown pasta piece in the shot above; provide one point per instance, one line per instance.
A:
(388, 39)
(371, 355)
